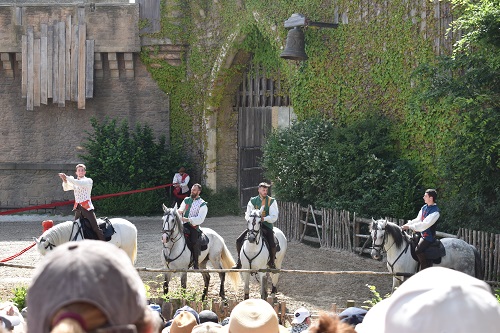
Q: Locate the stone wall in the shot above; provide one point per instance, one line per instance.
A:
(36, 145)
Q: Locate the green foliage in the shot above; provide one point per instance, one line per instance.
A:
(497, 294)
(458, 98)
(19, 298)
(375, 299)
(119, 159)
(354, 167)
(224, 202)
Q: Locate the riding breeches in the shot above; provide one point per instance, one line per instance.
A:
(423, 245)
(89, 215)
(193, 233)
(269, 234)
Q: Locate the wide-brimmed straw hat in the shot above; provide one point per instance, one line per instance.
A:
(254, 315)
(183, 323)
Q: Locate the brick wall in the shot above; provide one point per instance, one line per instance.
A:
(36, 145)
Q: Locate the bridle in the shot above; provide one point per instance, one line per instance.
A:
(380, 247)
(171, 235)
(256, 234)
(79, 231)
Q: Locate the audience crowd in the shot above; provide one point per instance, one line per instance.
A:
(91, 286)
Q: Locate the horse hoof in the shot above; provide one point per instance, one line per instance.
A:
(247, 296)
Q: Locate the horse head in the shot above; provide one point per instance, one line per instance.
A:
(377, 234)
(253, 224)
(171, 223)
(44, 244)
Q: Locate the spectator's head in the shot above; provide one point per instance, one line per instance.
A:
(208, 316)
(436, 300)
(190, 310)
(207, 327)
(254, 315)
(88, 284)
(183, 323)
(352, 315)
(330, 323)
(301, 315)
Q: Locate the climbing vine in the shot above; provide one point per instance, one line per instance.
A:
(364, 65)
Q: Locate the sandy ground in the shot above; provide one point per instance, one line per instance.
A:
(316, 292)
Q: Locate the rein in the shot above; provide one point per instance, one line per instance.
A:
(169, 237)
(258, 237)
(380, 247)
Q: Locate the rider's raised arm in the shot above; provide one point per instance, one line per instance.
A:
(249, 210)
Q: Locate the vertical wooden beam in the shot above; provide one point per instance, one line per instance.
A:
(68, 58)
(62, 64)
(43, 63)
(29, 78)
(36, 72)
(89, 69)
(24, 65)
(55, 65)
(50, 53)
(82, 32)
(74, 64)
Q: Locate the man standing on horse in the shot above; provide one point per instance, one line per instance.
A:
(269, 216)
(82, 187)
(425, 224)
(193, 211)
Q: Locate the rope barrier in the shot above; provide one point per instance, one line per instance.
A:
(17, 254)
(71, 202)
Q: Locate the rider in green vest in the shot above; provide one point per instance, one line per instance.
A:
(269, 216)
(193, 211)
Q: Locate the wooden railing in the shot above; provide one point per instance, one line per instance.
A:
(345, 231)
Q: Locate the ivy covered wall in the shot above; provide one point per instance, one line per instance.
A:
(363, 65)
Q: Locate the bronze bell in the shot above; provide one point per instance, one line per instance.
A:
(295, 45)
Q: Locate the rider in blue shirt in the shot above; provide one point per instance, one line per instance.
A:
(425, 224)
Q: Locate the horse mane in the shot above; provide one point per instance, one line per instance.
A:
(395, 231)
(58, 232)
(177, 220)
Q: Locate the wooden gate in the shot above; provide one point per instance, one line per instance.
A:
(256, 96)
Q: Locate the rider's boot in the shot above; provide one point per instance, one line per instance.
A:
(238, 249)
(272, 255)
(196, 255)
(424, 263)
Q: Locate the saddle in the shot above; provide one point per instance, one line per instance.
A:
(107, 229)
(266, 242)
(434, 252)
(202, 239)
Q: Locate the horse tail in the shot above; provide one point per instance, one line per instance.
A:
(478, 264)
(227, 262)
(134, 251)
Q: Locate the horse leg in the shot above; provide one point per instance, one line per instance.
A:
(165, 283)
(246, 288)
(274, 281)
(184, 280)
(206, 278)
(263, 285)
(222, 277)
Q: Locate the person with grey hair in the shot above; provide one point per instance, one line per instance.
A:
(82, 188)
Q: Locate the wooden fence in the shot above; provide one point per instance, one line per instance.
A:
(343, 230)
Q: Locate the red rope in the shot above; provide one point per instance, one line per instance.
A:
(17, 254)
(70, 202)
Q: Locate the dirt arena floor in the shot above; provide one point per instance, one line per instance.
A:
(316, 292)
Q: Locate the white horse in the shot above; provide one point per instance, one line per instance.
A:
(177, 255)
(255, 254)
(125, 236)
(460, 255)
